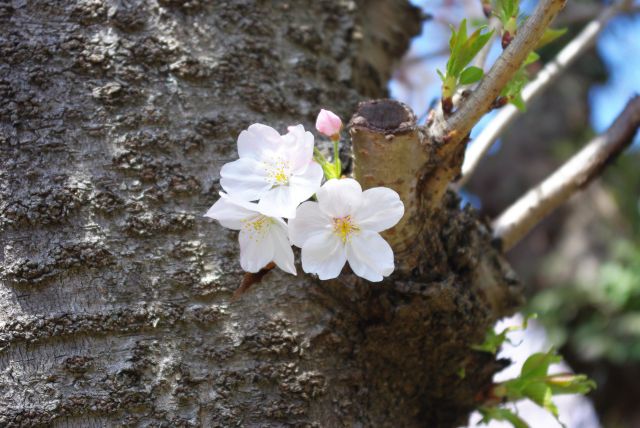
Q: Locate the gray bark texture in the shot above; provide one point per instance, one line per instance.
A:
(115, 292)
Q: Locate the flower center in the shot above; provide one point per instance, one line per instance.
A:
(257, 227)
(278, 172)
(344, 227)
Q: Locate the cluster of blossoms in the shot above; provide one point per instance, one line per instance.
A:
(274, 176)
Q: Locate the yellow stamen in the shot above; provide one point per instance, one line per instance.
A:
(280, 177)
(344, 227)
(278, 172)
(258, 227)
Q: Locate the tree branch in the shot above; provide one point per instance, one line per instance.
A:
(454, 129)
(545, 77)
(515, 222)
(389, 149)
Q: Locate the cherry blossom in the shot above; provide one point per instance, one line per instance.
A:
(343, 226)
(262, 238)
(278, 170)
(329, 124)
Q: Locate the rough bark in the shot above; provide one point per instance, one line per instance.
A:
(115, 292)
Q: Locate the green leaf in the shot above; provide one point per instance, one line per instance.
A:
(513, 89)
(549, 36)
(531, 58)
(455, 46)
(507, 9)
(570, 384)
(462, 32)
(537, 365)
(534, 383)
(463, 48)
(541, 394)
(501, 414)
(462, 373)
(440, 74)
(453, 39)
(471, 48)
(518, 102)
(493, 341)
(471, 75)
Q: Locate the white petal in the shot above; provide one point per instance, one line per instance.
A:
(324, 255)
(309, 221)
(299, 148)
(282, 252)
(245, 179)
(381, 209)
(278, 202)
(230, 213)
(256, 251)
(339, 198)
(304, 185)
(259, 142)
(370, 256)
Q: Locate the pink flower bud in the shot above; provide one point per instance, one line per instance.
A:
(329, 124)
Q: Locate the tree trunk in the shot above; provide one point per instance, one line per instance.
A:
(115, 292)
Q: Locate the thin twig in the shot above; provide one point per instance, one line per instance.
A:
(454, 129)
(413, 60)
(517, 220)
(583, 13)
(545, 77)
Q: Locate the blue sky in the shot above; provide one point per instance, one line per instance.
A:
(619, 46)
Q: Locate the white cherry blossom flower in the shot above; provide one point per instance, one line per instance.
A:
(343, 226)
(262, 239)
(279, 170)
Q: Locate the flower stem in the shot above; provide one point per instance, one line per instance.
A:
(336, 159)
(331, 170)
